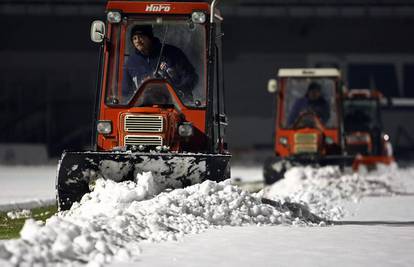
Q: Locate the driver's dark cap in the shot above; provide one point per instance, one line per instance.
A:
(314, 86)
(142, 30)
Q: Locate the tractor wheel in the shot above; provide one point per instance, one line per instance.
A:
(274, 170)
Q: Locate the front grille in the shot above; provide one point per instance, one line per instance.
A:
(305, 138)
(143, 124)
(306, 148)
(147, 140)
(305, 143)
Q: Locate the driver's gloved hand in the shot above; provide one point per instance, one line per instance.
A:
(167, 71)
(161, 74)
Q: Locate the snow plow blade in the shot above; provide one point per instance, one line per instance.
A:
(275, 167)
(77, 171)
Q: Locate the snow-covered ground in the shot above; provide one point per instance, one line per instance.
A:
(346, 245)
(26, 186)
(247, 174)
(218, 224)
(378, 231)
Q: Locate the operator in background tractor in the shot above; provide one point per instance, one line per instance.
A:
(151, 60)
(313, 101)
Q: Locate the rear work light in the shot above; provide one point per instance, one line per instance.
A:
(113, 17)
(104, 127)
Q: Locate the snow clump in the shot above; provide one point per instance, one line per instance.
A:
(19, 214)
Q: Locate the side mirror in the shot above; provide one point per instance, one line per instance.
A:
(97, 31)
(272, 86)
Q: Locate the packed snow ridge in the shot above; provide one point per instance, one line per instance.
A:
(110, 222)
(322, 190)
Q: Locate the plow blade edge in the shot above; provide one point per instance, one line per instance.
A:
(77, 171)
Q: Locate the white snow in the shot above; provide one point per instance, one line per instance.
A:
(340, 246)
(18, 214)
(118, 223)
(247, 173)
(324, 189)
(114, 218)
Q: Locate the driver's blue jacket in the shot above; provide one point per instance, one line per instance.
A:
(319, 106)
(138, 67)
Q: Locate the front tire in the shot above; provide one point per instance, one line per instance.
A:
(274, 170)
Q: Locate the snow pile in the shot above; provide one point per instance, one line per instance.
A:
(110, 222)
(19, 214)
(323, 189)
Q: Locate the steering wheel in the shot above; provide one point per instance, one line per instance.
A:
(308, 119)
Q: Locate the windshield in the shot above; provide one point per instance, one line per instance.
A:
(172, 51)
(309, 96)
(155, 94)
(360, 115)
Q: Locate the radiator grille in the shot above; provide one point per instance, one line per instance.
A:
(143, 124)
(306, 148)
(147, 140)
(305, 138)
(306, 143)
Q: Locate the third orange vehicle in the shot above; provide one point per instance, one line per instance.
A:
(364, 130)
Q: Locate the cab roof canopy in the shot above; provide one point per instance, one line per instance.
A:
(164, 1)
(364, 93)
(158, 7)
(309, 72)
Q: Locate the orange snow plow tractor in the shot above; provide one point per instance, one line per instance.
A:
(364, 136)
(160, 99)
(308, 123)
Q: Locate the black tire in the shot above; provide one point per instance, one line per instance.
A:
(272, 175)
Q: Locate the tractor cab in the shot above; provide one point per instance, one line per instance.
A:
(160, 99)
(307, 119)
(364, 136)
(308, 122)
(163, 96)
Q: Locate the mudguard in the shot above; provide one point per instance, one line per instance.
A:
(78, 170)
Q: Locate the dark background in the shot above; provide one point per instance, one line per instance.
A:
(48, 64)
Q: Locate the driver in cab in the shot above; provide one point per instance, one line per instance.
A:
(150, 60)
(313, 101)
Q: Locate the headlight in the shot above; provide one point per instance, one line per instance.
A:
(113, 17)
(198, 17)
(329, 140)
(386, 137)
(185, 129)
(104, 127)
(283, 140)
